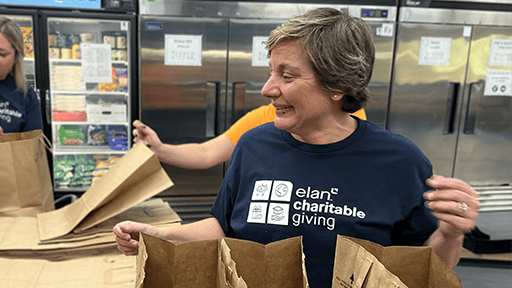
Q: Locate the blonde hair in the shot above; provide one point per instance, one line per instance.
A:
(13, 33)
(340, 49)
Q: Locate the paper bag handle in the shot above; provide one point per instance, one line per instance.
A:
(46, 142)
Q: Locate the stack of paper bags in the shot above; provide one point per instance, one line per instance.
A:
(74, 246)
(19, 235)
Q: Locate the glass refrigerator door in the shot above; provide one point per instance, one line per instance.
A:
(89, 95)
(27, 27)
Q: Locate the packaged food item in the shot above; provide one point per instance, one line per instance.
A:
(109, 87)
(121, 77)
(28, 39)
(113, 159)
(52, 40)
(62, 40)
(86, 38)
(121, 41)
(76, 51)
(71, 135)
(72, 39)
(97, 135)
(122, 55)
(109, 39)
(73, 171)
(54, 53)
(101, 164)
(113, 54)
(66, 53)
(118, 137)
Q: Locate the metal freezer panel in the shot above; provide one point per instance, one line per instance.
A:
(174, 98)
(380, 83)
(246, 75)
(184, 103)
(423, 104)
(484, 150)
(254, 10)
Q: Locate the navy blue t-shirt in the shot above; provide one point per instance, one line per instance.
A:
(367, 186)
(18, 113)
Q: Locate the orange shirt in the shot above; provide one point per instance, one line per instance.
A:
(259, 116)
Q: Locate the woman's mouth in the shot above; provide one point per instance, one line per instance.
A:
(283, 109)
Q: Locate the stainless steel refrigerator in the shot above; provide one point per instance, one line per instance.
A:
(203, 64)
(452, 96)
(82, 61)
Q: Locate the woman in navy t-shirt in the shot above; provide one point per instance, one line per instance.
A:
(19, 106)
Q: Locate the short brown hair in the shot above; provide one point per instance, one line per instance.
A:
(12, 32)
(340, 49)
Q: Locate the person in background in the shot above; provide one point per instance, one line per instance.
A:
(317, 171)
(19, 106)
(214, 151)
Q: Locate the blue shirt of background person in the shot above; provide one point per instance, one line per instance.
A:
(19, 106)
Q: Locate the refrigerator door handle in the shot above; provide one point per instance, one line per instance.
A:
(212, 96)
(239, 89)
(38, 94)
(451, 107)
(470, 121)
(48, 106)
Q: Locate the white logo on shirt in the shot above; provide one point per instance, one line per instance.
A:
(271, 204)
(273, 212)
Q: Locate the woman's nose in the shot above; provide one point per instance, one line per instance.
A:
(270, 90)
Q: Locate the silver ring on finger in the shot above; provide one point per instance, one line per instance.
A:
(463, 206)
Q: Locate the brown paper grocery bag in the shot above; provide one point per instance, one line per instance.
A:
(98, 271)
(228, 273)
(163, 264)
(137, 176)
(278, 264)
(417, 267)
(26, 185)
(229, 263)
(355, 267)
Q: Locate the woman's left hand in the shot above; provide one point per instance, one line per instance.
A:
(454, 203)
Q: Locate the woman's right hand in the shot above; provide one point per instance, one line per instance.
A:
(127, 236)
(1, 130)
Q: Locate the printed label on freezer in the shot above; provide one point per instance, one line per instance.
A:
(183, 50)
(498, 83)
(434, 51)
(96, 63)
(501, 52)
(386, 30)
(259, 51)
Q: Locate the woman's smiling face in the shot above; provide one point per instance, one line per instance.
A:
(300, 101)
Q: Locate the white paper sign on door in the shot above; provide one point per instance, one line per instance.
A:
(386, 30)
(501, 52)
(96, 62)
(434, 51)
(498, 83)
(183, 50)
(259, 51)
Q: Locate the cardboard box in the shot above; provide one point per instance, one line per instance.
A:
(115, 113)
